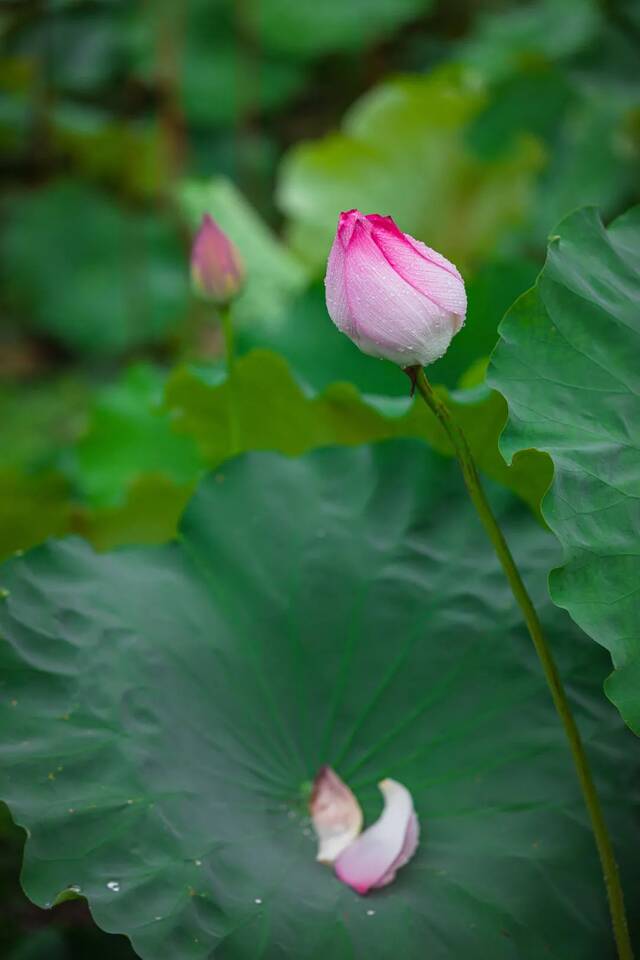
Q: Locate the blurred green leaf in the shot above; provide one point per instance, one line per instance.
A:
(490, 293)
(130, 435)
(80, 48)
(274, 275)
(404, 152)
(307, 29)
(17, 91)
(135, 469)
(532, 100)
(542, 31)
(37, 422)
(568, 364)
(219, 83)
(39, 418)
(32, 508)
(149, 512)
(14, 121)
(271, 411)
(219, 73)
(594, 159)
(102, 148)
(98, 278)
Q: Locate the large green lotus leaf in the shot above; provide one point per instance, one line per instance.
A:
(96, 277)
(263, 407)
(274, 275)
(567, 362)
(164, 710)
(403, 151)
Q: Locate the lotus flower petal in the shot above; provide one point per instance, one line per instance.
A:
(392, 295)
(336, 815)
(375, 857)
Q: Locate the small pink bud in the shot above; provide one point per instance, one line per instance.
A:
(374, 858)
(217, 271)
(392, 295)
(336, 815)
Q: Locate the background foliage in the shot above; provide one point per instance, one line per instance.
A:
(479, 126)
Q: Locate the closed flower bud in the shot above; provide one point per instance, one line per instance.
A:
(392, 295)
(217, 271)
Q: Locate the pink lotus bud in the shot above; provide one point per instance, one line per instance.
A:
(336, 815)
(374, 858)
(393, 296)
(217, 271)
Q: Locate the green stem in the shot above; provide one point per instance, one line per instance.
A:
(589, 792)
(227, 330)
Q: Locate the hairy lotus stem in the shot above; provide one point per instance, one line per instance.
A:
(472, 481)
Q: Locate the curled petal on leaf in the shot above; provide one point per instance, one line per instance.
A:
(336, 815)
(374, 858)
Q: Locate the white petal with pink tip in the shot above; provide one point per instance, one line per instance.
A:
(374, 858)
(336, 815)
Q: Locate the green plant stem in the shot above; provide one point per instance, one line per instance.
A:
(229, 346)
(480, 502)
(229, 340)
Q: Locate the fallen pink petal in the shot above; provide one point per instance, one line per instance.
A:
(374, 858)
(336, 815)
